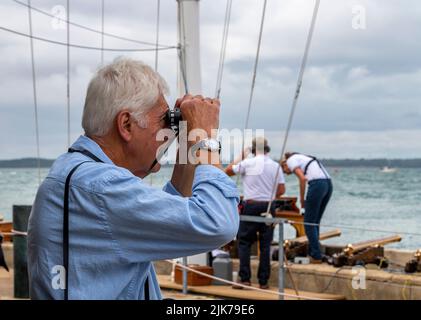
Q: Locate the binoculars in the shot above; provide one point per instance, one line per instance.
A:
(173, 119)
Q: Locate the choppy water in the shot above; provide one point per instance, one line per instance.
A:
(362, 198)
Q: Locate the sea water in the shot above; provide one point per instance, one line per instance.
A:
(363, 198)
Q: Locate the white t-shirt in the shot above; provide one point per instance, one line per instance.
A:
(259, 175)
(314, 171)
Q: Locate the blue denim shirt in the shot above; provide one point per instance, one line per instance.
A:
(119, 224)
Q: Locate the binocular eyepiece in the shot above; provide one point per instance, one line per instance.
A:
(173, 119)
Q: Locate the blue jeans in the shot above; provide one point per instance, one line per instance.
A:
(247, 235)
(318, 196)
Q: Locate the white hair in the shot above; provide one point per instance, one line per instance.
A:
(123, 84)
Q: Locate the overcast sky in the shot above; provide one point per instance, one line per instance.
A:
(360, 98)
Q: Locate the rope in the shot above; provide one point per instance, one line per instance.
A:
(68, 73)
(336, 275)
(110, 35)
(333, 278)
(289, 271)
(297, 92)
(241, 285)
(223, 49)
(34, 89)
(19, 233)
(15, 233)
(82, 46)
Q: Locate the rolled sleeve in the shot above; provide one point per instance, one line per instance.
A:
(292, 163)
(240, 168)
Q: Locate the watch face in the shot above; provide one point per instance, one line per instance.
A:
(213, 144)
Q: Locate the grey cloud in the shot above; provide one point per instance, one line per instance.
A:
(357, 80)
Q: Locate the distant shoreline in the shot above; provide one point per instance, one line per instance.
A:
(373, 163)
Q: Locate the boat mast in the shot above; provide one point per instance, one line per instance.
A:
(189, 41)
(189, 71)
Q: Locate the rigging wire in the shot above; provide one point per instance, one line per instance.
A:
(34, 89)
(68, 73)
(253, 82)
(110, 35)
(102, 30)
(256, 62)
(158, 10)
(223, 49)
(83, 46)
(181, 47)
(297, 94)
(242, 285)
(344, 226)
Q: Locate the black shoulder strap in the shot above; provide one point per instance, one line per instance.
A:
(66, 217)
(318, 162)
(87, 153)
(147, 288)
(66, 224)
(310, 162)
(66, 230)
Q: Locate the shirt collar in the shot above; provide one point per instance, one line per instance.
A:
(85, 143)
(262, 155)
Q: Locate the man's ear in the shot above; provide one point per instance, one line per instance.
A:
(124, 125)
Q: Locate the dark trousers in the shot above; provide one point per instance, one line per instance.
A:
(318, 196)
(247, 235)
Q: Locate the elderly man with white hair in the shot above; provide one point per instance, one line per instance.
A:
(96, 225)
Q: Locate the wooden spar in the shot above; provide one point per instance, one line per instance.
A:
(352, 248)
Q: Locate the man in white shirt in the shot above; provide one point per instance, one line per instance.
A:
(309, 170)
(258, 175)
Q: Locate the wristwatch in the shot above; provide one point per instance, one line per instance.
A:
(212, 145)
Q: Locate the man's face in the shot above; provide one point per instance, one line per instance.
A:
(285, 168)
(144, 145)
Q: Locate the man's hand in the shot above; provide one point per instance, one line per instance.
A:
(200, 113)
(228, 170)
